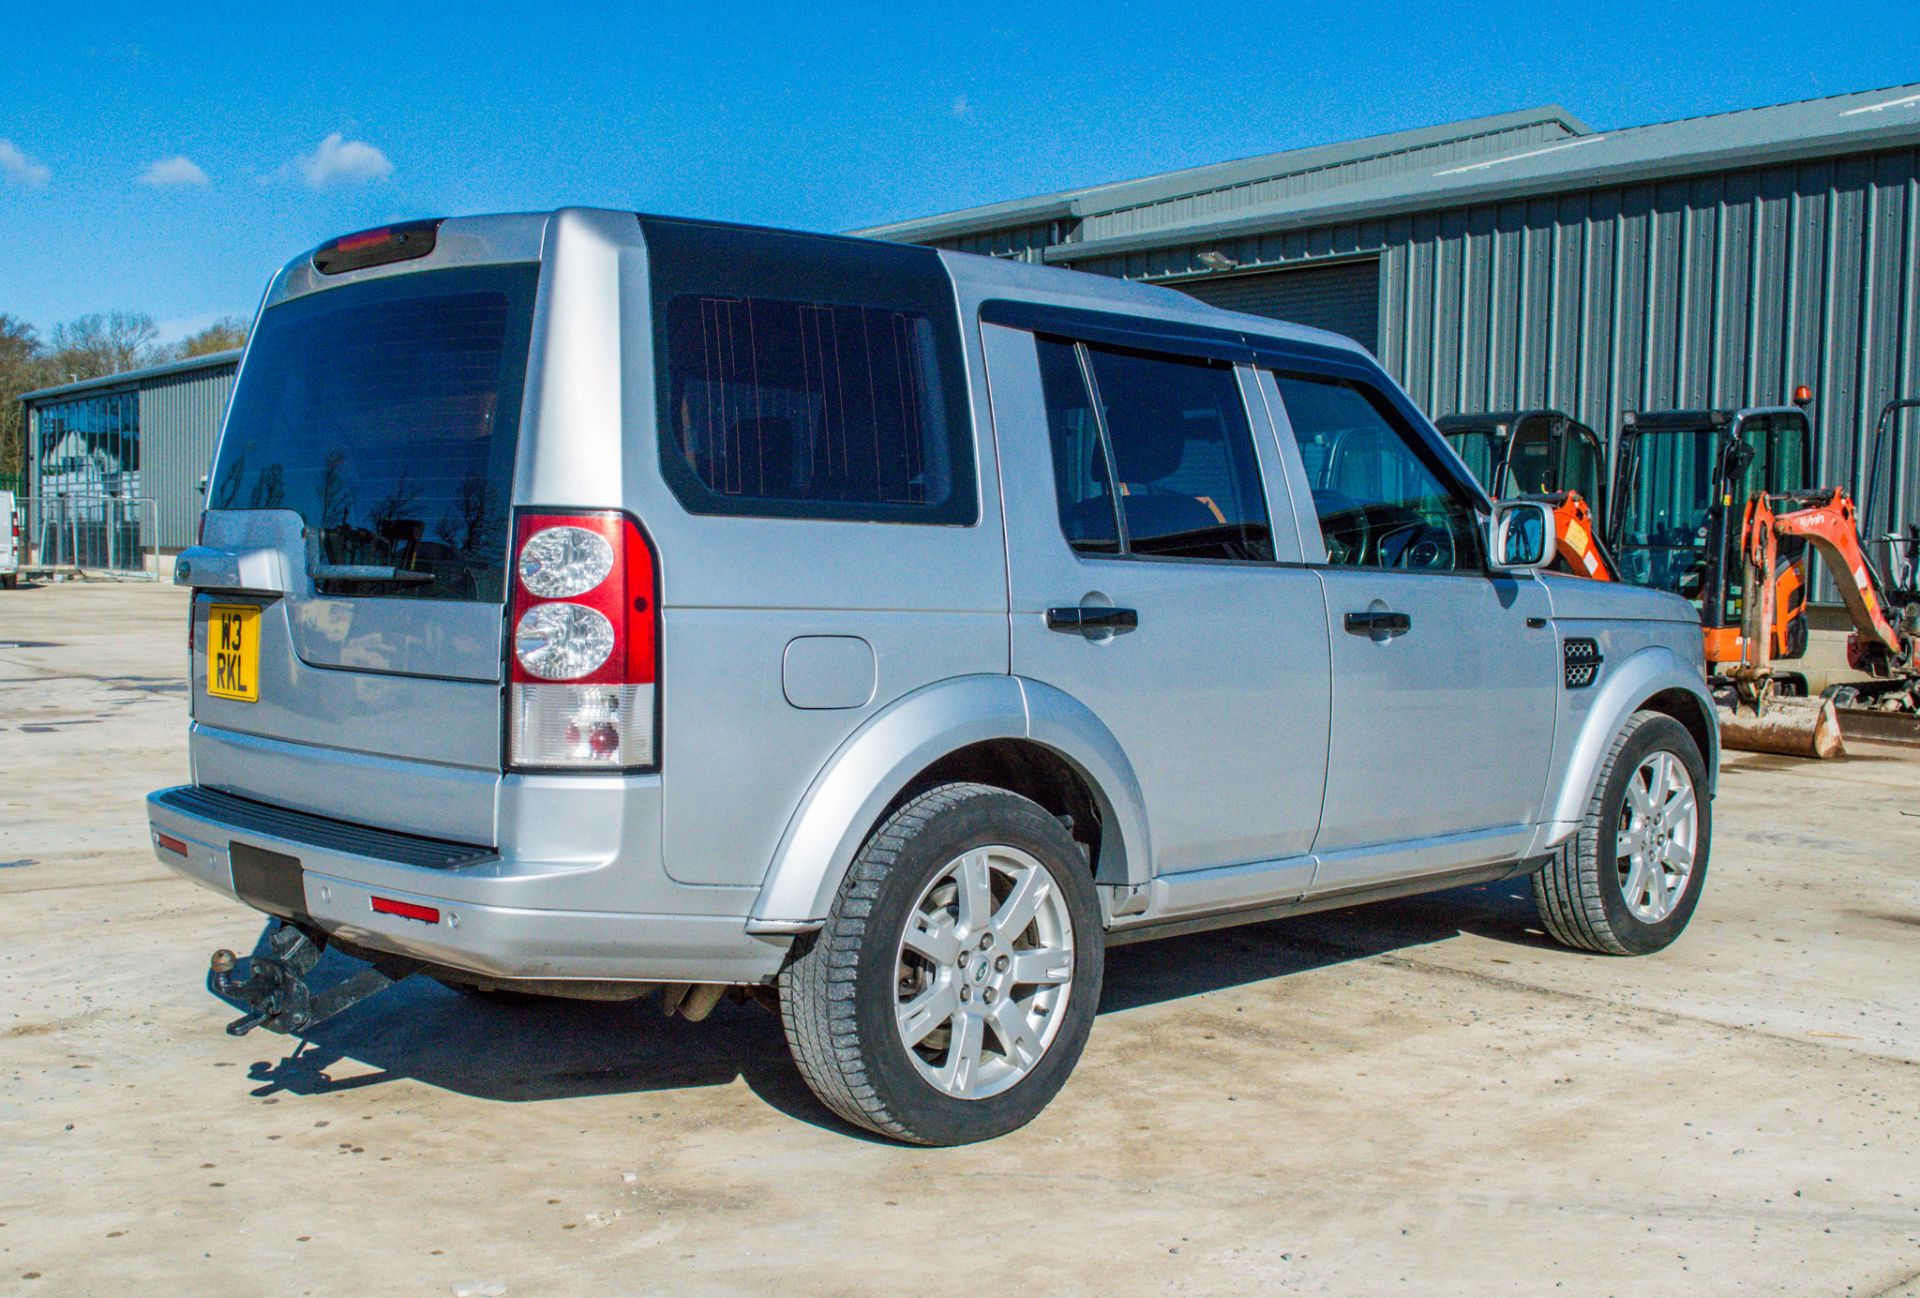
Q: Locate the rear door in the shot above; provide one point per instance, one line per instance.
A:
(370, 446)
(1445, 675)
(9, 528)
(1149, 581)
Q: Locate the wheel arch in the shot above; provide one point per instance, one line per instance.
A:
(1657, 679)
(1002, 730)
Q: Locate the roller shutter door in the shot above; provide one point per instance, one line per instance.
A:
(1343, 298)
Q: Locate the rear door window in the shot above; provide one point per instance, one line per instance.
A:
(1083, 480)
(1182, 455)
(1152, 455)
(386, 414)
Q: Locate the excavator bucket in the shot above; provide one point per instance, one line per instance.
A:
(1790, 727)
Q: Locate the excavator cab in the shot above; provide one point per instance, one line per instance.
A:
(1892, 537)
(1546, 456)
(1682, 483)
(1515, 453)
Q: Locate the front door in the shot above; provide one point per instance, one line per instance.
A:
(1147, 582)
(1445, 674)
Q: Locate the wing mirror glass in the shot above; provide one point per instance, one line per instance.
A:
(1522, 535)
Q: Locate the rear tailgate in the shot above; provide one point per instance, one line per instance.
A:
(367, 468)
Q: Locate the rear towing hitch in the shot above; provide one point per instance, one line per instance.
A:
(272, 983)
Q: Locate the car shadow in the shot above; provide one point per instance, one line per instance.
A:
(523, 1050)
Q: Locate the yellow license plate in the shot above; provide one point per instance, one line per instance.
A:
(233, 652)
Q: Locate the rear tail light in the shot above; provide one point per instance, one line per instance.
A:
(584, 644)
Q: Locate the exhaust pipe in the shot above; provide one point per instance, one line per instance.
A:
(691, 1001)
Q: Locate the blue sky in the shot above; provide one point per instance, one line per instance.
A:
(305, 123)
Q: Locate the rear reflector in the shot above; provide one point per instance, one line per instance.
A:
(406, 910)
(402, 242)
(171, 843)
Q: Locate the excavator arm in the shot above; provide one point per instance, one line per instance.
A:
(1575, 537)
(1825, 520)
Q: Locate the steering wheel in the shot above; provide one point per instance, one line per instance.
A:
(1428, 549)
(1343, 525)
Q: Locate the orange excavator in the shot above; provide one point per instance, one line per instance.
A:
(1717, 506)
(1714, 505)
(1883, 643)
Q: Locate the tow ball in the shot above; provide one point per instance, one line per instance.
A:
(273, 988)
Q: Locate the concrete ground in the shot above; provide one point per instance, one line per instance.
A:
(1424, 1097)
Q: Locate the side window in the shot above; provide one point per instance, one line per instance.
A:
(1182, 455)
(1082, 481)
(1787, 455)
(1381, 504)
(807, 402)
(802, 377)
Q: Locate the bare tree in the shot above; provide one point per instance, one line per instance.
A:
(104, 342)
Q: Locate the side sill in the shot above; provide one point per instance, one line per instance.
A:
(1336, 900)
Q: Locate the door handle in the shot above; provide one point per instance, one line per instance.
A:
(1091, 620)
(1375, 622)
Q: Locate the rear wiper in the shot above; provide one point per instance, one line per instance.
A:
(366, 572)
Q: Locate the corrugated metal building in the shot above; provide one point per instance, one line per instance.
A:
(147, 432)
(1527, 259)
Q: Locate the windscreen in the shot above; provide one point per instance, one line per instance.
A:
(386, 415)
(1663, 531)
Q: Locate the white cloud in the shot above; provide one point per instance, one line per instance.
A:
(340, 161)
(173, 173)
(20, 168)
(960, 107)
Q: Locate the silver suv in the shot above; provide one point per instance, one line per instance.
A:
(595, 604)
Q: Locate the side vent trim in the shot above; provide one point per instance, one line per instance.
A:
(1580, 659)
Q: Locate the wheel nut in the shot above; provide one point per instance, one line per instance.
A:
(987, 995)
(966, 993)
(1002, 963)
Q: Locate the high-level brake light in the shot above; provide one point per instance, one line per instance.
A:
(585, 638)
(403, 242)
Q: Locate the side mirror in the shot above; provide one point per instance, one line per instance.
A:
(1522, 535)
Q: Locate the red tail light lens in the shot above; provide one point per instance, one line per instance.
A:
(584, 642)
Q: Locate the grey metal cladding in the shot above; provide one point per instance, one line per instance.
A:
(180, 417)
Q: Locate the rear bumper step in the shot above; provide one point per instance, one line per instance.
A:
(451, 905)
(247, 816)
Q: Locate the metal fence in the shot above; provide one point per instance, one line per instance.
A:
(90, 535)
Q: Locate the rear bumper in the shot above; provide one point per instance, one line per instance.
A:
(480, 928)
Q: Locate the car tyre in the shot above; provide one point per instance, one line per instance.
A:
(953, 985)
(1628, 881)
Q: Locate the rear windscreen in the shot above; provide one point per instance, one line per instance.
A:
(386, 415)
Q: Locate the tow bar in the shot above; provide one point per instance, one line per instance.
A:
(273, 986)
